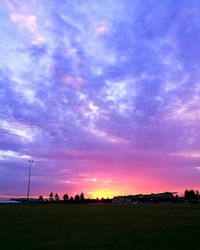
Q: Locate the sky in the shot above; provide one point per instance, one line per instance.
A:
(104, 96)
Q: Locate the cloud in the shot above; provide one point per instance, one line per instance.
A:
(100, 87)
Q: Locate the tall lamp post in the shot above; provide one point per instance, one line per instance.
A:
(29, 178)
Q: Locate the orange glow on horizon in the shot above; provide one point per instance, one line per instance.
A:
(102, 193)
(107, 193)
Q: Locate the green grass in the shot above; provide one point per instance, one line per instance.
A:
(60, 226)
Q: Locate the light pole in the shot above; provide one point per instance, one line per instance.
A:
(29, 178)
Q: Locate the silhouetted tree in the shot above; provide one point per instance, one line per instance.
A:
(77, 198)
(57, 197)
(82, 198)
(65, 197)
(191, 196)
(71, 199)
(186, 194)
(51, 196)
(41, 199)
(102, 199)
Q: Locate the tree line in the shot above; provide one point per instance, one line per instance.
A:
(191, 196)
(70, 199)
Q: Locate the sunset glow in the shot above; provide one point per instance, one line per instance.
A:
(103, 95)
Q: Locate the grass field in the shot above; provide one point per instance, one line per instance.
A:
(58, 227)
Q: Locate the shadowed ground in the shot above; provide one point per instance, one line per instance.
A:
(60, 226)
